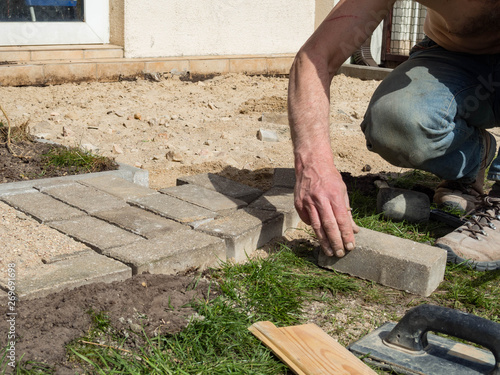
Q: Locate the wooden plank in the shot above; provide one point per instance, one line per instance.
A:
(308, 350)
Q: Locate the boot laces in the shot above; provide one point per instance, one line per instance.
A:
(484, 215)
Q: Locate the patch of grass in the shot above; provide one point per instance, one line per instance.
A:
(276, 288)
(409, 179)
(77, 160)
(471, 291)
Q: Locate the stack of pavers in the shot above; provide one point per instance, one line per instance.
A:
(129, 229)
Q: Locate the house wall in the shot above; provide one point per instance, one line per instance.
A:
(215, 27)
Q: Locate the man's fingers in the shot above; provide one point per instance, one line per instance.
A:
(344, 221)
(331, 230)
(320, 233)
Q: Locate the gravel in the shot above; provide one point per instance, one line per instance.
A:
(26, 242)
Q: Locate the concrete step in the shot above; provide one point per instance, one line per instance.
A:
(32, 54)
(49, 65)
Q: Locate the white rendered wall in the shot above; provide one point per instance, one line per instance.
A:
(165, 28)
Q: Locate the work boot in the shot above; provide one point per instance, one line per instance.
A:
(462, 196)
(477, 242)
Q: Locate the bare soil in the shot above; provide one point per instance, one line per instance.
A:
(172, 128)
(159, 304)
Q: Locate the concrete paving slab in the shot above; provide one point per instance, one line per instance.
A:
(139, 221)
(118, 187)
(245, 230)
(284, 177)
(127, 172)
(42, 207)
(172, 253)
(395, 262)
(209, 199)
(222, 185)
(173, 208)
(69, 274)
(93, 232)
(85, 198)
(281, 200)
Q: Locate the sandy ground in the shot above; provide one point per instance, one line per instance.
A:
(174, 128)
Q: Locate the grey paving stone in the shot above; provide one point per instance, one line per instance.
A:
(222, 185)
(284, 177)
(173, 208)
(209, 199)
(83, 197)
(392, 261)
(281, 200)
(172, 253)
(42, 207)
(118, 187)
(245, 230)
(70, 273)
(136, 175)
(139, 221)
(95, 233)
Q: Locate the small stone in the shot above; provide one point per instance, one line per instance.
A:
(224, 136)
(211, 105)
(54, 114)
(267, 135)
(119, 113)
(367, 168)
(153, 121)
(174, 117)
(173, 156)
(117, 149)
(208, 142)
(137, 164)
(137, 116)
(156, 157)
(135, 327)
(177, 157)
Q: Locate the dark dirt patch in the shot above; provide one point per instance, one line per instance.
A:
(157, 303)
(27, 160)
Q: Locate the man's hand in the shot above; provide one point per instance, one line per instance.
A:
(321, 200)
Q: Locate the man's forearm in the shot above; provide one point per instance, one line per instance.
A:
(309, 106)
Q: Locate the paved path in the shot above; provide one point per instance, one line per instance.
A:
(129, 228)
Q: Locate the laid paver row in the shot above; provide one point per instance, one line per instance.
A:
(133, 229)
(145, 230)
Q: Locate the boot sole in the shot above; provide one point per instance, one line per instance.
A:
(452, 257)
